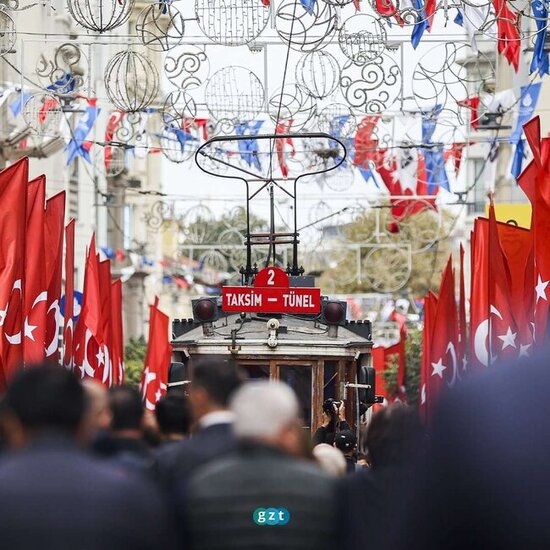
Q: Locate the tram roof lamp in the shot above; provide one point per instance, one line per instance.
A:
(205, 310)
(333, 312)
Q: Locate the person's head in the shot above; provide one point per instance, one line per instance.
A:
(213, 383)
(346, 442)
(127, 411)
(363, 460)
(173, 414)
(43, 399)
(330, 459)
(98, 413)
(395, 436)
(268, 412)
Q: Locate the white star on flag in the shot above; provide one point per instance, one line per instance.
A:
(158, 395)
(29, 329)
(438, 368)
(540, 289)
(100, 357)
(524, 350)
(508, 339)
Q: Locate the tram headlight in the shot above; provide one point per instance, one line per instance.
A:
(205, 312)
(333, 312)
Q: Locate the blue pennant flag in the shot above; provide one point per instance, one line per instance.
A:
(459, 19)
(17, 106)
(434, 159)
(248, 148)
(529, 96)
(421, 25)
(64, 85)
(309, 5)
(77, 147)
(540, 57)
(368, 175)
(519, 157)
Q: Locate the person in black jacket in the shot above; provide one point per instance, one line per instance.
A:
(334, 420)
(265, 497)
(53, 495)
(214, 381)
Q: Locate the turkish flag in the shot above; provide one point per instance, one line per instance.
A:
(13, 198)
(430, 306)
(68, 324)
(479, 296)
(54, 224)
(88, 334)
(117, 342)
(462, 327)
(154, 380)
(105, 282)
(382, 357)
(35, 296)
(535, 182)
(443, 368)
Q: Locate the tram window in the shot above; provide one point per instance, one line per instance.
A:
(330, 373)
(256, 372)
(299, 378)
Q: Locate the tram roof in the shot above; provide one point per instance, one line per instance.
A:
(294, 331)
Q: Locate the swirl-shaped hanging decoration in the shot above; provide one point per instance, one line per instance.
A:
(189, 69)
(371, 88)
(62, 71)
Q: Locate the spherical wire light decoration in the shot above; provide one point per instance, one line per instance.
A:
(8, 36)
(160, 27)
(305, 28)
(234, 94)
(100, 15)
(294, 106)
(318, 73)
(338, 120)
(43, 114)
(362, 38)
(232, 22)
(131, 81)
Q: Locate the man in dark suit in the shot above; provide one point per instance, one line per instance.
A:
(214, 381)
(487, 482)
(54, 496)
(265, 496)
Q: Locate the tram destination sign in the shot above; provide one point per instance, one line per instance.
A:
(271, 293)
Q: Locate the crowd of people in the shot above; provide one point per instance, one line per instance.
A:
(230, 466)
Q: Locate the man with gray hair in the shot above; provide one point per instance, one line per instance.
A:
(265, 496)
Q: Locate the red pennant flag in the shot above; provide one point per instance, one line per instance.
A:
(35, 295)
(55, 221)
(13, 198)
(88, 333)
(365, 146)
(68, 325)
(283, 128)
(430, 306)
(117, 343)
(154, 380)
(471, 103)
(508, 32)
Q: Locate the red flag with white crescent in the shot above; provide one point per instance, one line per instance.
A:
(88, 334)
(13, 198)
(117, 346)
(430, 306)
(105, 348)
(35, 297)
(154, 380)
(55, 222)
(443, 369)
(68, 324)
